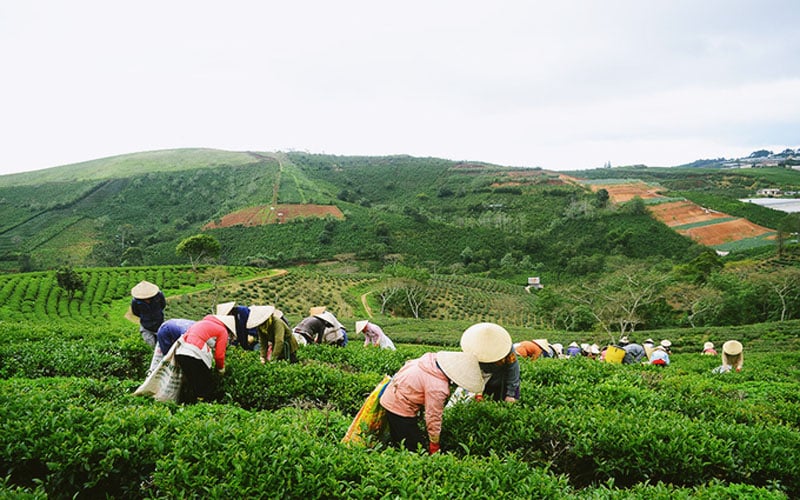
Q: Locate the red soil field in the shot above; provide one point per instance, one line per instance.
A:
(276, 214)
(620, 193)
(678, 213)
(685, 212)
(725, 232)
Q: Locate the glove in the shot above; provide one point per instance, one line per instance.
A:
(433, 448)
(221, 371)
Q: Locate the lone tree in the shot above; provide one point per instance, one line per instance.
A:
(198, 248)
(70, 281)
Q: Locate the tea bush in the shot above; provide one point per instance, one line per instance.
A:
(69, 425)
(73, 438)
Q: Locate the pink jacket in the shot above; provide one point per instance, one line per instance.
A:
(419, 384)
(201, 332)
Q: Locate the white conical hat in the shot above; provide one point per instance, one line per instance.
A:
(489, 342)
(708, 345)
(462, 368)
(360, 325)
(732, 347)
(144, 290)
(225, 308)
(328, 317)
(228, 321)
(258, 315)
(542, 343)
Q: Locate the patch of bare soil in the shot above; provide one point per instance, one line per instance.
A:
(274, 214)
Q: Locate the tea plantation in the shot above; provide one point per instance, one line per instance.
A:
(71, 428)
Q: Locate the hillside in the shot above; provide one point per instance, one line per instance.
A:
(462, 216)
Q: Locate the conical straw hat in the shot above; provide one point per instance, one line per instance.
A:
(542, 343)
(144, 290)
(462, 368)
(228, 321)
(225, 308)
(360, 325)
(732, 347)
(329, 318)
(258, 315)
(489, 342)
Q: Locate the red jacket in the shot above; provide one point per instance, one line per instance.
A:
(207, 328)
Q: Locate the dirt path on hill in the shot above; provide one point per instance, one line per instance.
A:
(366, 305)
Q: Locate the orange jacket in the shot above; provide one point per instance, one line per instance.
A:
(528, 349)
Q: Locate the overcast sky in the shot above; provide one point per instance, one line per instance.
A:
(556, 84)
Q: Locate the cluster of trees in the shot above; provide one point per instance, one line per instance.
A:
(658, 295)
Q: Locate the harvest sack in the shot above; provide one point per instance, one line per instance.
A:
(460, 395)
(614, 354)
(370, 419)
(164, 383)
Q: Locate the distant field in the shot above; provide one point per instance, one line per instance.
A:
(278, 214)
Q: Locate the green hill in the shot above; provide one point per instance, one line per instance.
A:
(426, 215)
(134, 209)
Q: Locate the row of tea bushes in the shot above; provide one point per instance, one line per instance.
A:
(36, 296)
(66, 349)
(78, 438)
(590, 421)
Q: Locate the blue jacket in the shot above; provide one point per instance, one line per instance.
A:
(170, 331)
(241, 314)
(504, 380)
(150, 311)
(634, 353)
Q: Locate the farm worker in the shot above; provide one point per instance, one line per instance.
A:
(708, 349)
(492, 345)
(245, 337)
(732, 357)
(660, 356)
(634, 353)
(528, 349)
(321, 327)
(558, 350)
(546, 347)
(648, 345)
(424, 384)
(275, 339)
(169, 331)
(148, 304)
(573, 350)
(590, 351)
(194, 356)
(373, 335)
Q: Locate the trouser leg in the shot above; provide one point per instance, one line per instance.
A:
(197, 375)
(405, 430)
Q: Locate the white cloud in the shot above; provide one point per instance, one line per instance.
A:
(568, 84)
